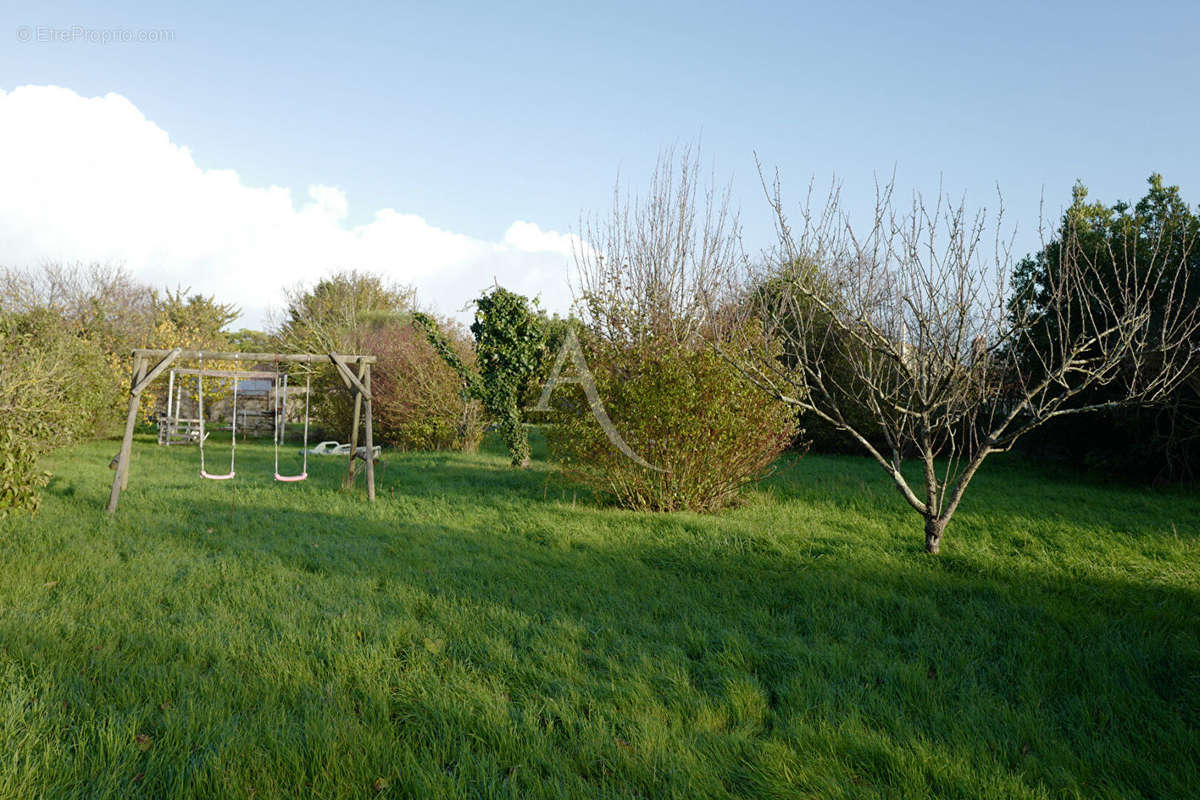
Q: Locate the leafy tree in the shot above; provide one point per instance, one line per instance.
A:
(195, 316)
(648, 275)
(194, 322)
(509, 342)
(246, 340)
(100, 303)
(56, 388)
(65, 336)
(336, 313)
(702, 429)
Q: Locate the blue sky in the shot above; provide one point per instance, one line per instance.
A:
(473, 116)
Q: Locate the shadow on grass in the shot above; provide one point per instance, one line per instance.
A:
(1070, 686)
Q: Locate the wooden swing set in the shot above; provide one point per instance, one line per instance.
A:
(358, 382)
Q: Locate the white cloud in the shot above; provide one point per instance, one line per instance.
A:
(529, 237)
(91, 179)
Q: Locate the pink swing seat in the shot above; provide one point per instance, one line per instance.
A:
(281, 424)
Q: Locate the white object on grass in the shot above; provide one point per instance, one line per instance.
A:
(335, 449)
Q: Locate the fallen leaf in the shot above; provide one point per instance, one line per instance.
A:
(144, 742)
(50, 584)
(138, 778)
(621, 743)
(379, 785)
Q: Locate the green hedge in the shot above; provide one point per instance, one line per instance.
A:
(56, 387)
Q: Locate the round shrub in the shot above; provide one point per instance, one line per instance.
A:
(684, 409)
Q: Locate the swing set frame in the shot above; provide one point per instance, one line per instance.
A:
(357, 381)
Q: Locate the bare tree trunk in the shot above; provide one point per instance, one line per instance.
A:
(933, 534)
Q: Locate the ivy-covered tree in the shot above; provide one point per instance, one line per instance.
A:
(510, 340)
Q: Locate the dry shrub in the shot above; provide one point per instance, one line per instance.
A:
(418, 398)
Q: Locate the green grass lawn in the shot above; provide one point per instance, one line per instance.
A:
(482, 632)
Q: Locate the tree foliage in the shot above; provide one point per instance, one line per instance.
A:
(705, 429)
(195, 322)
(650, 275)
(66, 332)
(56, 388)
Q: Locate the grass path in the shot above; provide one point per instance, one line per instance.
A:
(481, 632)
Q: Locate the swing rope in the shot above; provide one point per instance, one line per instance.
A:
(233, 428)
(281, 427)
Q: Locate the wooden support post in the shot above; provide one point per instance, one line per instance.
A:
(348, 378)
(145, 380)
(139, 383)
(358, 401)
(166, 425)
(119, 479)
(370, 441)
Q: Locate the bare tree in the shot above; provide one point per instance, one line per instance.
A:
(104, 298)
(654, 264)
(907, 336)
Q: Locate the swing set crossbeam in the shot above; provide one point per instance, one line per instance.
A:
(227, 373)
(149, 364)
(282, 358)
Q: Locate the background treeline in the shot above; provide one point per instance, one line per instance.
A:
(650, 322)
(1153, 443)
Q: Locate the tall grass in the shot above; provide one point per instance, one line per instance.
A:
(485, 632)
